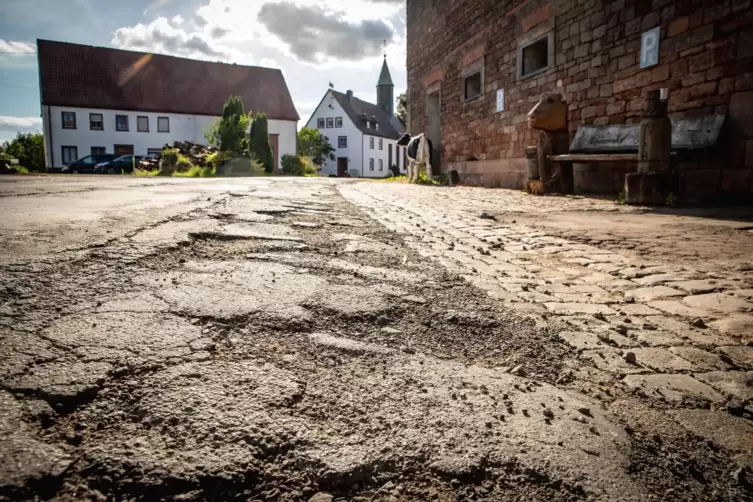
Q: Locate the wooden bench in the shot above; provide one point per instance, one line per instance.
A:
(619, 143)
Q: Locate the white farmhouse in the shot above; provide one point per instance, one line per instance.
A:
(363, 135)
(100, 100)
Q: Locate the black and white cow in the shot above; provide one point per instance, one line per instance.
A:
(419, 155)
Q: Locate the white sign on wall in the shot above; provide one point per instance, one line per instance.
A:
(500, 100)
(650, 47)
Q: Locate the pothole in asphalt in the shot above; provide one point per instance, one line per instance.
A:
(223, 290)
(397, 412)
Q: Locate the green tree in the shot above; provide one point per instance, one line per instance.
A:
(259, 142)
(28, 148)
(229, 132)
(402, 109)
(315, 146)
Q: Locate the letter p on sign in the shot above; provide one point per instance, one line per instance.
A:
(650, 48)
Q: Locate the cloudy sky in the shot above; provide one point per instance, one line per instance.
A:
(314, 42)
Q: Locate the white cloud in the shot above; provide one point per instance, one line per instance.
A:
(160, 36)
(310, 58)
(13, 47)
(20, 124)
(177, 20)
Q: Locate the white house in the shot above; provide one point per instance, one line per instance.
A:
(364, 135)
(101, 100)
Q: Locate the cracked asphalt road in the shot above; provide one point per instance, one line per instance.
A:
(266, 339)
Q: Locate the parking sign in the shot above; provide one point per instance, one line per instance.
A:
(650, 47)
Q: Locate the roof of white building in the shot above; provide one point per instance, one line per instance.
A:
(99, 77)
(359, 111)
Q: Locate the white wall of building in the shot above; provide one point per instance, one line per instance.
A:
(182, 128)
(358, 149)
(330, 108)
(378, 155)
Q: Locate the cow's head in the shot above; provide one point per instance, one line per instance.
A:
(404, 140)
(549, 114)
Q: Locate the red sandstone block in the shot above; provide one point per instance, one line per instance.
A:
(715, 11)
(615, 108)
(679, 68)
(650, 20)
(535, 18)
(660, 74)
(693, 79)
(678, 26)
(714, 74)
(726, 85)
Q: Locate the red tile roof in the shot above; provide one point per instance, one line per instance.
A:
(98, 77)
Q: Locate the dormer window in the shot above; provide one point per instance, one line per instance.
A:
(376, 125)
(368, 125)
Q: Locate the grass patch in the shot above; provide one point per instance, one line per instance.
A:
(21, 169)
(196, 172)
(143, 174)
(393, 179)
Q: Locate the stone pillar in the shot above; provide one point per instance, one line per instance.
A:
(651, 184)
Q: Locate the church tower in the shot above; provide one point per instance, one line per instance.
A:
(386, 90)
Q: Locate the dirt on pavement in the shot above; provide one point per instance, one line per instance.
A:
(277, 343)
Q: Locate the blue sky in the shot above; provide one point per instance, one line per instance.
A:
(314, 42)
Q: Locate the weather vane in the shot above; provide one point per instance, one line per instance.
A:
(384, 45)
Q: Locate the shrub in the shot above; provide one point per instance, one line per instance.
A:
(168, 161)
(297, 165)
(21, 169)
(184, 163)
(141, 173)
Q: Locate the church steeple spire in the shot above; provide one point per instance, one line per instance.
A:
(386, 89)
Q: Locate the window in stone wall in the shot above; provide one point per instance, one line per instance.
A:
(472, 86)
(534, 57)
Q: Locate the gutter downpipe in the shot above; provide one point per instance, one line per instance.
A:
(52, 149)
(362, 149)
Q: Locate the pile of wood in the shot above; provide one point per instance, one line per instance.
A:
(196, 153)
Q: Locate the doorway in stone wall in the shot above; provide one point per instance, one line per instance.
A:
(434, 132)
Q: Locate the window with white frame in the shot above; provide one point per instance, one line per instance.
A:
(98, 150)
(330, 123)
(342, 142)
(381, 164)
(338, 122)
(142, 123)
(380, 143)
(376, 125)
(320, 124)
(371, 143)
(534, 57)
(368, 125)
(69, 120)
(121, 122)
(163, 124)
(96, 123)
(70, 154)
(371, 164)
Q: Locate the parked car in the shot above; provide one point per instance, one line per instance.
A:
(87, 164)
(120, 165)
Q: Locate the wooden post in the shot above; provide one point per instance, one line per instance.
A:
(655, 142)
(651, 184)
(534, 185)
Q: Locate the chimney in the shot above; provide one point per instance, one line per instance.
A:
(349, 93)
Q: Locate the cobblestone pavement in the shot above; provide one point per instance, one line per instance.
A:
(675, 327)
